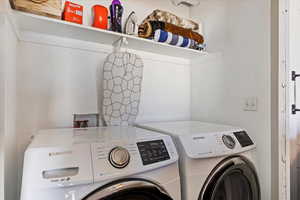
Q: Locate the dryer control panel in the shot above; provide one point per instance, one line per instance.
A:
(205, 145)
(243, 138)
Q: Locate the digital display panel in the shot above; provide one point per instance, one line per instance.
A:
(243, 138)
(153, 151)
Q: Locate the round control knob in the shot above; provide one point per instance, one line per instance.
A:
(119, 157)
(228, 141)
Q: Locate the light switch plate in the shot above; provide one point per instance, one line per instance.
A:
(250, 104)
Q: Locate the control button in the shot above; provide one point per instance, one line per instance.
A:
(119, 157)
(228, 141)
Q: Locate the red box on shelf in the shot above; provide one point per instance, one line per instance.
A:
(100, 14)
(73, 12)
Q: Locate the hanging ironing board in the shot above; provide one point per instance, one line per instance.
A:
(122, 82)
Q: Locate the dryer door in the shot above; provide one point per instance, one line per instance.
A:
(232, 179)
(130, 189)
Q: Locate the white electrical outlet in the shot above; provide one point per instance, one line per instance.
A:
(250, 104)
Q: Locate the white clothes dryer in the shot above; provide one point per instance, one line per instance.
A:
(109, 163)
(217, 162)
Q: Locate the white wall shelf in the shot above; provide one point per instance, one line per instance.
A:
(29, 23)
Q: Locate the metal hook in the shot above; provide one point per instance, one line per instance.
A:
(119, 43)
(189, 3)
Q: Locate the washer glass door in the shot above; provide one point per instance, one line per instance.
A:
(236, 180)
(233, 186)
(130, 190)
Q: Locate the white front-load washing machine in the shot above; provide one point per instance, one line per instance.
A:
(217, 162)
(109, 163)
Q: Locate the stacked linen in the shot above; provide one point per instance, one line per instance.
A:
(165, 27)
(148, 28)
(164, 16)
(176, 40)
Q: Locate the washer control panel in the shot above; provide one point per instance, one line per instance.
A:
(153, 151)
(124, 157)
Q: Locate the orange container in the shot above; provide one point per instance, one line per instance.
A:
(100, 17)
(73, 12)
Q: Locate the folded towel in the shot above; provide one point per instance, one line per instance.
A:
(148, 29)
(164, 16)
(176, 40)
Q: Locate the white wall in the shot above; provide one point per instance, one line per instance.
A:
(4, 6)
(240, 32)
(8, 107)
(2, 25)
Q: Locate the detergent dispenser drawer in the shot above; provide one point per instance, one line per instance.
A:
(60, 173)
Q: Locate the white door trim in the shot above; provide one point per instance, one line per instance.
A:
(279, 101)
